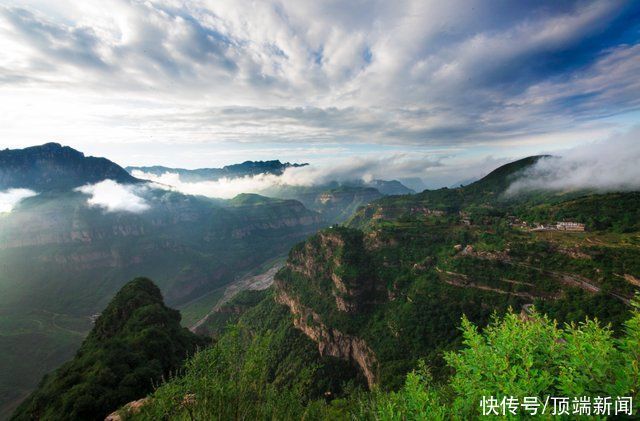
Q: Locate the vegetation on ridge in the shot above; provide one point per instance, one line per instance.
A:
(135, 342)
(384, 295)
(515, 356)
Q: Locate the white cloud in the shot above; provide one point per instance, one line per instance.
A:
(343, 170)
(114, 197)
(11, 197)
(610, 165)
(369, 71)
(224, 188)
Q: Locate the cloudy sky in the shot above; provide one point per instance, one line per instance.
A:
(442, 86)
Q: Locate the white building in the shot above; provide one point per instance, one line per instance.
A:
(570, 226)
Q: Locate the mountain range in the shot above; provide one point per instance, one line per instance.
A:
(247, 168)
(355, 307)
(63, 257)
(387, 292)
(334, 200)
(252, 168)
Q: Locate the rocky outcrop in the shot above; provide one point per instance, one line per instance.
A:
(335, 258)
(337, 271)
(331, 341)
(632, 279)
(129, 409)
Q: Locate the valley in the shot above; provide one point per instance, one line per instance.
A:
(359, 304)
(61, 260)
(321, 211)
(387, 291)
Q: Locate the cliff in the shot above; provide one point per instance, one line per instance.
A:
(331, 341)
(326, 283)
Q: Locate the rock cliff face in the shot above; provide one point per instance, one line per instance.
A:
(331, 341)
(338, 259)
(329, 277)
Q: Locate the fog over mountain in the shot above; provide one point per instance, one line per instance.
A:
(11, 197)
(114, 197)
(606, 165)
(359, 170)
(610, 165)
(374, 209)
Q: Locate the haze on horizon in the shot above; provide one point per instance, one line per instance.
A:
(444, 91)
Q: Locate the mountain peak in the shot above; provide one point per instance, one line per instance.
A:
(135, 342)
(499, 179)
(49, 145)
(52, 166)
(134, 295)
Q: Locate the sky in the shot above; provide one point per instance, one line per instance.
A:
(442, 90)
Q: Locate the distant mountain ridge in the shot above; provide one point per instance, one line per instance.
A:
(247, 168)
(55, 167)
(251, 168)
(389, 187)
(336, 201)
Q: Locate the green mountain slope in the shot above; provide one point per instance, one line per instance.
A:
(135, 341)
(389, 290)
(261, 356)
(519, 357)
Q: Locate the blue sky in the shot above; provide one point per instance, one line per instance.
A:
(451, 89)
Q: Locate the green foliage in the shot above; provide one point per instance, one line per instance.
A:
(521, 357)
(417, 400)
(260, 368)
(513, 356)
(135, 341)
